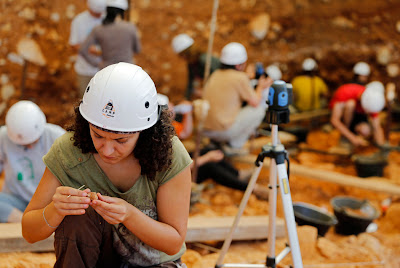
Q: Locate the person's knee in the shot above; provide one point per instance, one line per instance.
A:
(363, 129)
(91, 227)
(15, 216)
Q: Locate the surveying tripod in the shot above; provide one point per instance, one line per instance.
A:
(279, 98)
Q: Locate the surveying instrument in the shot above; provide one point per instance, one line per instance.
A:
(279, 97)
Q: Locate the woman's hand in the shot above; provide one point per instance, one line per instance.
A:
(359, 141)
(71, 201)
(113, 210)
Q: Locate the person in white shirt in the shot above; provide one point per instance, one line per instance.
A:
(81, 26)
(24, 140)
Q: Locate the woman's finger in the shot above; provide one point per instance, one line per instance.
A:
(69, 191)
(106, 208)
(67, 212)
(71, 206)
(73, 199)
(106, 216)
(105, 198)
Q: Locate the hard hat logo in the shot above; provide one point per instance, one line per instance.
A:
(108, 110)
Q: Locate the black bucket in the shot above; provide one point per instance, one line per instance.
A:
(369, 166)
(353, 215)
(307, 214)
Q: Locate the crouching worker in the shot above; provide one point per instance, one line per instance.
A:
(122, 148)
(24, 140)
(355, 109)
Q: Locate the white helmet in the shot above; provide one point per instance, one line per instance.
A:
(97, 6)
(233, 54)
(309, 64)
(162, 99)
(375, 86)
(362, 68)
(372, 101)
(122, 4)
(121, 97)
(181, 42)
(25, 122)
(274, 72)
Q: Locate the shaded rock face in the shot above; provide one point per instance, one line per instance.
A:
(336, 33)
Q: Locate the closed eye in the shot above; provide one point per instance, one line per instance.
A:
(97, 135)
(122, 141)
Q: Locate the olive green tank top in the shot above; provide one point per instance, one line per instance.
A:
(73, 169)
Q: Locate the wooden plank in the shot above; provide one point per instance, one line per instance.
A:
(217, 228)
(337, 150)
(11, 240)
(376, 184)
(200, 229)
(258, 143)
(294, 117)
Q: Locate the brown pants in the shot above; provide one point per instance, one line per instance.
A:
(86, 241)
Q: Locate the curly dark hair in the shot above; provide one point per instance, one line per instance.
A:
(153, 148)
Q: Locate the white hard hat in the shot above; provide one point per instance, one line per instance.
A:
(309, 64)
(181, 42)
(233, 54)
(375, 86)
(122, 4)
(362, 68)
(121, 97)
(25, 122)
(162, 99)
(274, 72)
(97, 6)
(372, 101)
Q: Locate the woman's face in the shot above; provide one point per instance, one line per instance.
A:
(112, 147)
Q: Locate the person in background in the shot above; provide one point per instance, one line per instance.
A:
(361, 72)
(355, 108)
(226, 89)
(116, 189)
(81, 26)
(211, 162)
(309, 90)
(118, 39)
(184, 46)
(24, 140)
(274, 72)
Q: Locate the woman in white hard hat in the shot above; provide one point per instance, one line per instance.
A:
(24, 140)
(309, 90)
(122, 150)
(184, 46)
(355, 108)
(118, 39)
(81, 26)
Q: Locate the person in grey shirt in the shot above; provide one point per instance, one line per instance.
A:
(24, 140)
(118, 39)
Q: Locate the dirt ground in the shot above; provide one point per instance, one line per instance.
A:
(336, 33)
(380, 248)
